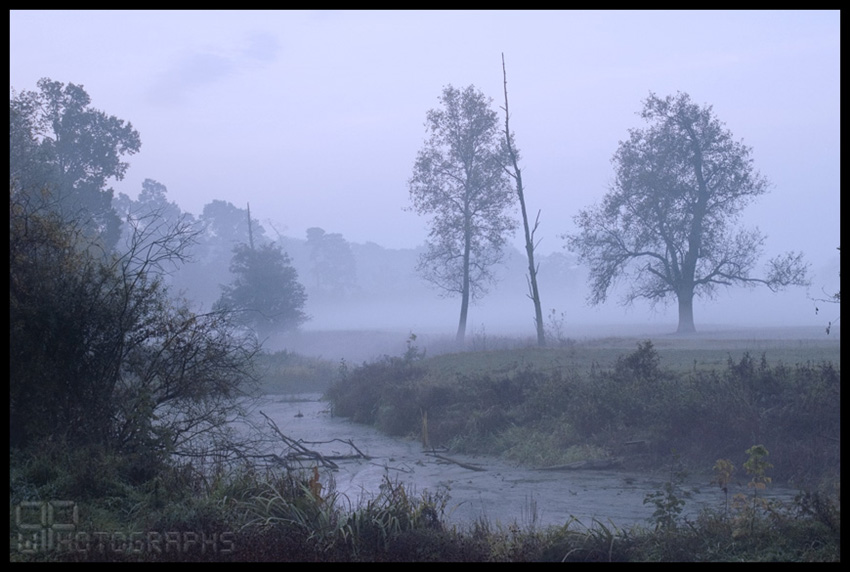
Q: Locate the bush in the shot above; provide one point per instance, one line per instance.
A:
(544, 417)
(100, 355)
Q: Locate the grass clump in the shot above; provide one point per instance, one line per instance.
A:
(286, 372)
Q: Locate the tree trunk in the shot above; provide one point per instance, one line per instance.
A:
(534, 292)
(532, 273)
(250, 231)
(686, 313)
(464, 300)
(464, 309)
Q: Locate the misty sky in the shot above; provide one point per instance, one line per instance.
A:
(315, 117)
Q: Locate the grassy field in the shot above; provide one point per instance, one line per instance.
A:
(313, 368)
(679, 354)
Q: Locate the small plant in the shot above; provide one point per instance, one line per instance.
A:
(642, 365)
(723, 470)
(555, 328)
(757, 465)
(670, 501)
(413, 353)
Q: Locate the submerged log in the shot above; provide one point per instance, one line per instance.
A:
(458, 463)
(588, 464)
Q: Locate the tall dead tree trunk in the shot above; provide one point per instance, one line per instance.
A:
(250, 231)
(534, 292)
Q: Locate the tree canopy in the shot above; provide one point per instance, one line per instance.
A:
(265, 293)
(332, 263)
(459, 180)
(59, 142)
(667, 226)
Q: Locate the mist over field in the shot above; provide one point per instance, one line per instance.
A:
(314, 119)
(367, 325)
(578, 253)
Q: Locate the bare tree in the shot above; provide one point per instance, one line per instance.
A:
(666, 223)
(460, 181)
(516, 173)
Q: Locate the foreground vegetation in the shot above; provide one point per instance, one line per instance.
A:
(245, 515)
(752, 419)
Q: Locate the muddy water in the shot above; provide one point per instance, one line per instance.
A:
(500, 493)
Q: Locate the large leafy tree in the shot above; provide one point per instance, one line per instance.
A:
(59, 142)
(265, 293)
(223, 226)
(332, 263)
(459, 180)
(668, 226)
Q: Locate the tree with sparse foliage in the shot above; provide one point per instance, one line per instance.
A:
(265, 293)
(459, 180)
(666, 226)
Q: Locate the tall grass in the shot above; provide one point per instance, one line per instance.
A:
(297, 516)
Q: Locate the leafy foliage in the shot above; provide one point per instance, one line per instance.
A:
(333, 268)
(265, 293)
(58, 142)
(723, 471)
(666, 226)
(670, 501)
(299, 517)
(637, 409)
(459, 181)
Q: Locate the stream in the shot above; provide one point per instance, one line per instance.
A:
(500, 493)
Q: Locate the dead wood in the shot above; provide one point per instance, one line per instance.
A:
(301, 452)
(456, 462)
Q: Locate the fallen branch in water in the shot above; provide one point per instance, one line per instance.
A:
(347, 442)
(464, 465)
(302, 451)
(387, 468)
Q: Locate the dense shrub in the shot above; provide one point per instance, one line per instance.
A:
(362, 392)
(702, 414)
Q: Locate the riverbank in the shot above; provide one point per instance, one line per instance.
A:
(494, 490)
(649, 406)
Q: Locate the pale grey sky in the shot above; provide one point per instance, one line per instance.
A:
(315, 117)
